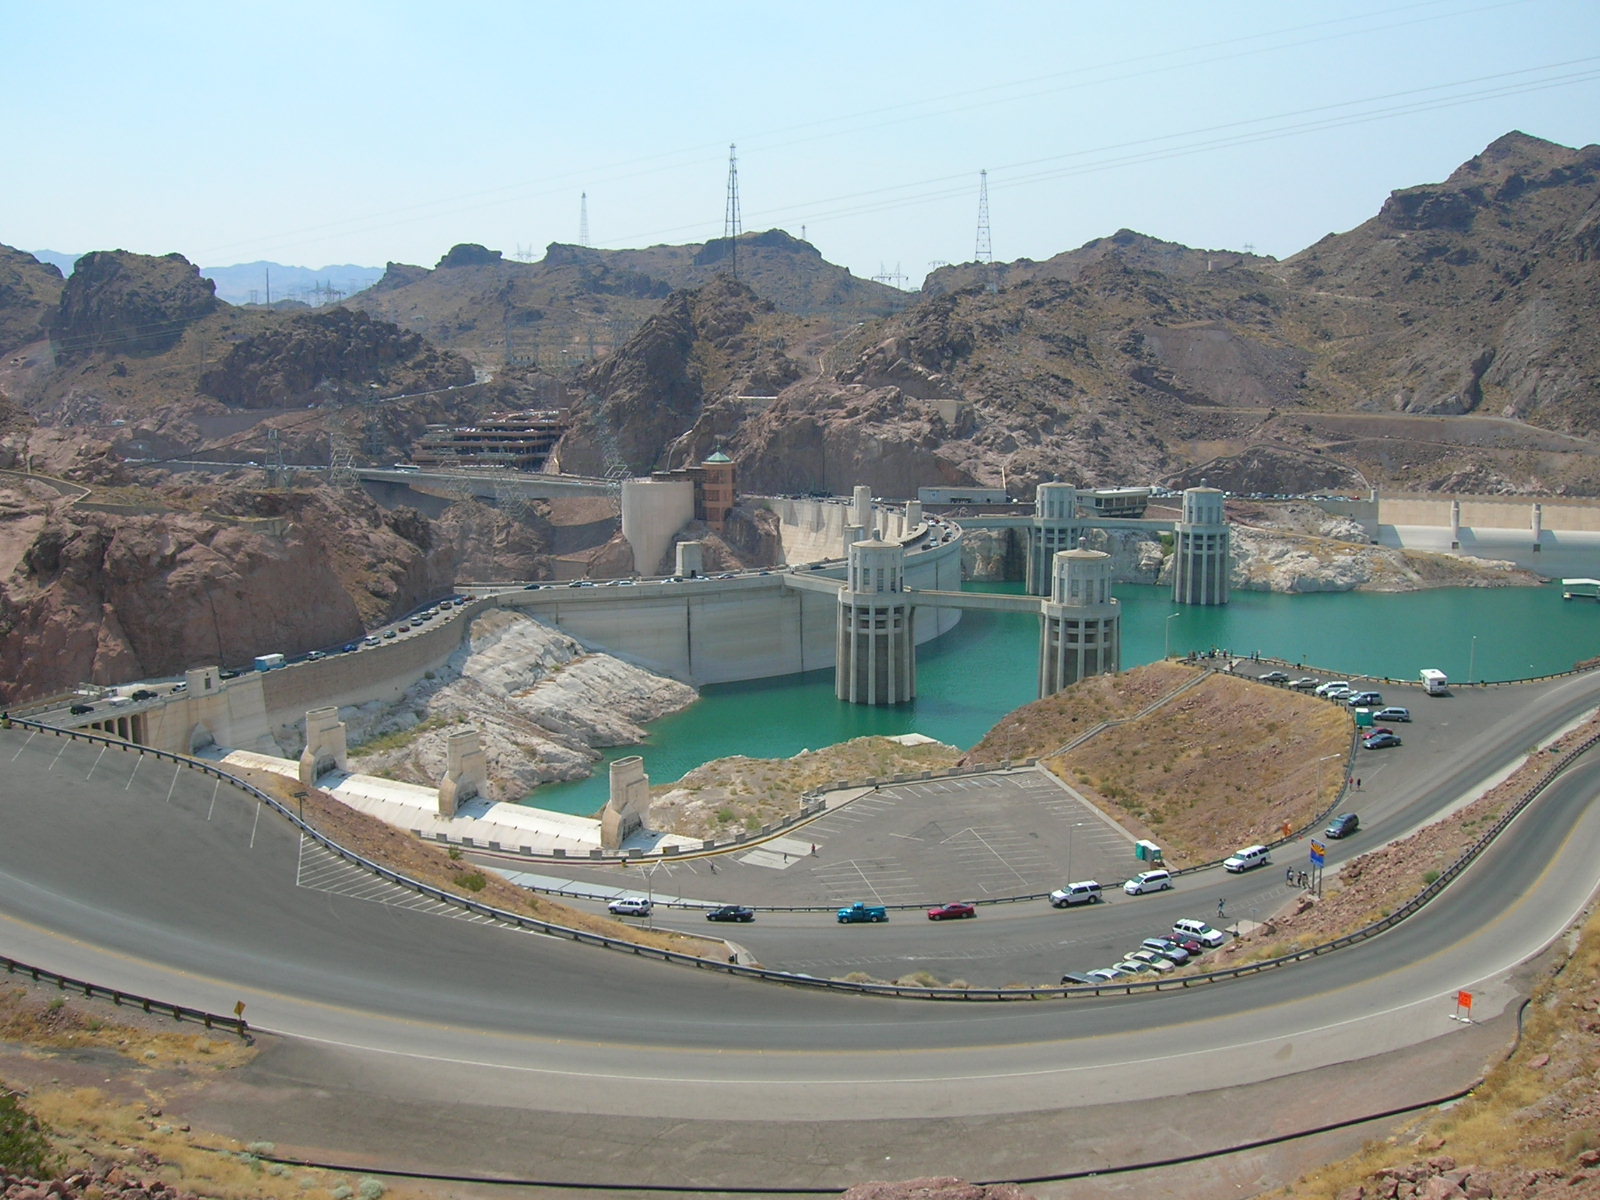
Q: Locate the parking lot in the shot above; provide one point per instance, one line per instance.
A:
(971, 838)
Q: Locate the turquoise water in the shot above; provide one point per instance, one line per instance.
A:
(988, 665)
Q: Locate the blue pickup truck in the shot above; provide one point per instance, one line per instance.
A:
(862, 912)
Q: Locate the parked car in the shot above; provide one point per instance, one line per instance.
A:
(143, 694)
(1107, 974)
(315, 655)
(1085, 892)
(1305, 683)
(1332, 686)
(1193, 927)
(1392, 713)
(630, 906)
(1364, 699)
(351, 647)
(1148, 881)
(1275, 677)
(1156, 962)
(1073, 979)
(732, 912)
(371, 639)
(1132, 966)
(1170, 948)
(1381, 741)
(946, 912)
(1343, 825)
(857, 912)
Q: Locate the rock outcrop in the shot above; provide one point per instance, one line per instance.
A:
(339, 354)
(30, 291)
(129, 304)
(540, 700)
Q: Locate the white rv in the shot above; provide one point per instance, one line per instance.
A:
(1435, 682)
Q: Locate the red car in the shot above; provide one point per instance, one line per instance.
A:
(945, 911)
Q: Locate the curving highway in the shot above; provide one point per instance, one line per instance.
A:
(508, 1045)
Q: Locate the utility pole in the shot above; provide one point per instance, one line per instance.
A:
(985, 252)
(583, 218)
(731, 224)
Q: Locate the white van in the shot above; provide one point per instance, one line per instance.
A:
(1250, 856)
(1148, 881)
(1085, 892)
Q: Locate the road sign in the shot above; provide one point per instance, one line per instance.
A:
(1318, 853)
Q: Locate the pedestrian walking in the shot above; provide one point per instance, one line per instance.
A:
(1222, 913)
(1288, 874)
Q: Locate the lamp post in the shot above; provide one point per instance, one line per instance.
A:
(1472, 659)
(1166, 650)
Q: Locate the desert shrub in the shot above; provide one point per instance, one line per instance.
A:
(24, 1141)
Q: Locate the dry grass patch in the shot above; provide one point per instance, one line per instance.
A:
(1219, 765)
(722, 799)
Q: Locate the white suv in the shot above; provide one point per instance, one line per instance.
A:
(629, 906)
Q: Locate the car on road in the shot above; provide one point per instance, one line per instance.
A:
(630, 906)
(1193, 927)
(351, 647)
(1156, 962)
(732, 912)
(1381, 741)
(1304, 684)
(316, 655)
(1086, 891)
(1148, 881)
(1343, 825)
(388, 633)
(371, 639)
(1275, 677)
(858, 912)
(78, 710)
(1247, 859)
(1393, 713)
(948, 912)
(143, 694)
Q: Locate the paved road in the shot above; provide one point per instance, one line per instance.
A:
(128, 871)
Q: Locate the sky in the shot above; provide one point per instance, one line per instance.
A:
(370, 131)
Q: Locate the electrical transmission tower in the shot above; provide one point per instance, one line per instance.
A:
(985, 252)
(732, 227)
(583, 218)
(895, 278)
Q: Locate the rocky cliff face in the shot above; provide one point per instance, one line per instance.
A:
(129, 304)
(30, 291)
(704, 344)
(328, 356)
(539, 698)
(106, 597)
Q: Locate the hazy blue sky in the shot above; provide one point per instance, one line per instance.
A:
(365, 131)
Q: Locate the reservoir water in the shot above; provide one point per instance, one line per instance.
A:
(987, 666)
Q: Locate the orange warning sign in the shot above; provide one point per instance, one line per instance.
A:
(1464, 1000)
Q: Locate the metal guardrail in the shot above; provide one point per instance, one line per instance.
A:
(179, 1012)
(900, 991)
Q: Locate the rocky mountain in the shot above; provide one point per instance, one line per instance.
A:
(128, 304)
(29, 293)
(579, 301)
(1132, 360)
(719, 342)
(332, 355)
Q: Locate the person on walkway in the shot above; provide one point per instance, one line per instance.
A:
(1222, 914)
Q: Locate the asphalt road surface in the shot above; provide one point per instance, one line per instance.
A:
(144, 876)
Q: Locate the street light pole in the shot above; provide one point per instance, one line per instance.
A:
(1166, 651)
(1472, 659)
